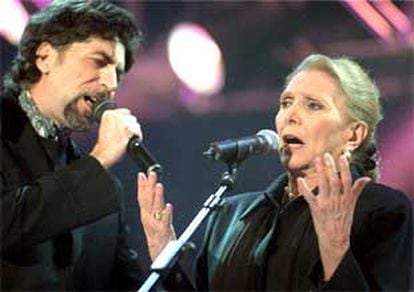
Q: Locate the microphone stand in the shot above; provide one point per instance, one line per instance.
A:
(171, 252)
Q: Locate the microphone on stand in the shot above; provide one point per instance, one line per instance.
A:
(135, 148)
(237, 150)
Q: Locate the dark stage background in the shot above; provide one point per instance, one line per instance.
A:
(260, 42)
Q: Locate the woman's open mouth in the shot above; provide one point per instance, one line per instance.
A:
(292, 141)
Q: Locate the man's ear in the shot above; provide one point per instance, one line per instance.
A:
(46, 55)
(358, 132)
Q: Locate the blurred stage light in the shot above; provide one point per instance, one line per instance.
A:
(196, 59)
(13, 19)
(395, 16)
(384, 18)
(41, 3)
(366, 12)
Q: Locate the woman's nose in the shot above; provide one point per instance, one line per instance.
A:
(293, 115)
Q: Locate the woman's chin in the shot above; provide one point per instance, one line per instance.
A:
(296, 166)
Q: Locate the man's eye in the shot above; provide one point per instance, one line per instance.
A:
(99, 63)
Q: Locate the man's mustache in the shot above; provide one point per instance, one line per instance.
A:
(95, 95)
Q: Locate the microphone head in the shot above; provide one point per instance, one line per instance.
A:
(271, 137)
(237, 150)
(100, 106)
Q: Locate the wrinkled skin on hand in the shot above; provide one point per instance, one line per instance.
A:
(332, 209)
(156, 215)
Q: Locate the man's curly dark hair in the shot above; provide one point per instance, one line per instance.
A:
(65, 22)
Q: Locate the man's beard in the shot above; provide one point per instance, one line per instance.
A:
(74, 119)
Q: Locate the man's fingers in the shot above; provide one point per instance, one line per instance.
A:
(132, 127)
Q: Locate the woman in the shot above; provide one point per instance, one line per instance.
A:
(325, 223)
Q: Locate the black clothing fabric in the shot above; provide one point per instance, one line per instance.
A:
(253, 242)
(62, 224)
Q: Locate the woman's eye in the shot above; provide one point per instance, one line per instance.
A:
(314, 105)
(285, 103)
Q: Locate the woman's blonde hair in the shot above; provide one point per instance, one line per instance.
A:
(363, 103)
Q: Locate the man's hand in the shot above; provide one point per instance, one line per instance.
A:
(156, 216)
(116, 128)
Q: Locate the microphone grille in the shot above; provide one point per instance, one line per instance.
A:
(271, 137)
(99, 107)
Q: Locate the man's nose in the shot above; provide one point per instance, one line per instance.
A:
(109, 78)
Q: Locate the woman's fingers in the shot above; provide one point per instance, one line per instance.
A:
(150, 194)
(151, 187)
(168, 211)
(332, 176)
(156, 216)
(144, 200)
(359, 186)
(305, 190)
(346, 177)
(158, 204)
(323, 188)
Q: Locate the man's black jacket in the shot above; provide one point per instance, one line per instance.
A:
(61, 222)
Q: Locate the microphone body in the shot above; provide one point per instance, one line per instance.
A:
(237, 150)
(140, 154)
(135, 148)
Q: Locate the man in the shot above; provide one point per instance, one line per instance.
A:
(62, 225)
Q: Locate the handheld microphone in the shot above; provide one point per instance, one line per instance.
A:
(237, 150)
(136, 150)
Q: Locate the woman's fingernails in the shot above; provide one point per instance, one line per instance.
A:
(367, 179)
(140, 176)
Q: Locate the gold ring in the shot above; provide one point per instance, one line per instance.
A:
(158, 215)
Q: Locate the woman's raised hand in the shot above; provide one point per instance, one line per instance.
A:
(156, 216)
(332, 209)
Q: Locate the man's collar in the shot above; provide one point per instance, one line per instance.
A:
(43, 126)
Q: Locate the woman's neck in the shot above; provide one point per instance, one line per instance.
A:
(310, 177)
